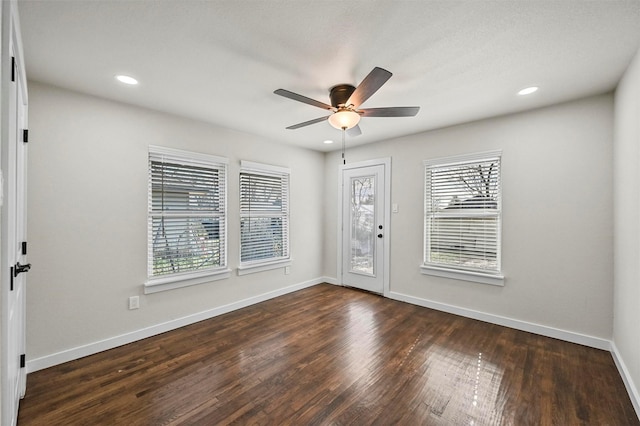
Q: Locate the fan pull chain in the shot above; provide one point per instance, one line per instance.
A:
(344, 161)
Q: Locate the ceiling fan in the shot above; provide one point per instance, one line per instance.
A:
(345, 100)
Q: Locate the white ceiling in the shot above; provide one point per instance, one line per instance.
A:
(220, 61)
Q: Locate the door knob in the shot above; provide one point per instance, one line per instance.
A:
(379, 235)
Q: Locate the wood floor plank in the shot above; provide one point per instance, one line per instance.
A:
(330, 355)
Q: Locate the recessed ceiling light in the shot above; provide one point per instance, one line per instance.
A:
(328, 141)
(528, 90)
(126, 79)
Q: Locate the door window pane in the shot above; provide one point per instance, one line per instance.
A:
(362, 224)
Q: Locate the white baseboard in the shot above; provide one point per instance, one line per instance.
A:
(123, 339)
(556, 333)
(330, 280)
(632, 390)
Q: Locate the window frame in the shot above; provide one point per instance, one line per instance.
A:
(249, 267)
(493, 276)
(156, 283)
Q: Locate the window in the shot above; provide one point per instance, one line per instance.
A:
(264, 217)
(187, 216)
(462, 217)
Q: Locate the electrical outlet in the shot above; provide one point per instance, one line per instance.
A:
(134, 302)
(287, 270)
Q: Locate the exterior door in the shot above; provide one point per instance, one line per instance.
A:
(364, 254)
(13, 232)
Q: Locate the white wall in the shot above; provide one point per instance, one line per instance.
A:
(87, 218)
(626, 325)
(557, 215)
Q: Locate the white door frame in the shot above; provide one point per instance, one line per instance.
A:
(11, 125)
(386, 162)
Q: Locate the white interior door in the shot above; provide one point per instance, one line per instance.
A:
(13, 233)
(364, 229)
(20, 249)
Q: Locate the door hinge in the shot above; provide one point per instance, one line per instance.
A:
(25, 135)
(24, 248)
(13, 68)
(18, 268)
(11, 278)
(23, 360)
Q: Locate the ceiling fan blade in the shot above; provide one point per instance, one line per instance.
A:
(370, 85)
(307, 123)
(303, 99)
(354, 131)
(389, 112)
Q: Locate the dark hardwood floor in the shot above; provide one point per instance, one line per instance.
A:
(333, 355)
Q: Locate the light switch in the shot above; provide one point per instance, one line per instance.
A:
(394, 208)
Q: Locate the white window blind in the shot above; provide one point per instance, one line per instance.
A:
(264, 213)
(187, 213)
(463, 213)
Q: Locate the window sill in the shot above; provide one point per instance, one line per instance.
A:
(172, 282)
(265, 266)
(458, 274)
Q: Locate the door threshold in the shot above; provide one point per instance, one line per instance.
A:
(362, 290)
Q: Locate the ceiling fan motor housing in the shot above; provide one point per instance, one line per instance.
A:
(340, 94)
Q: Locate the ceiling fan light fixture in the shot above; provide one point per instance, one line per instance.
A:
(344, 119)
